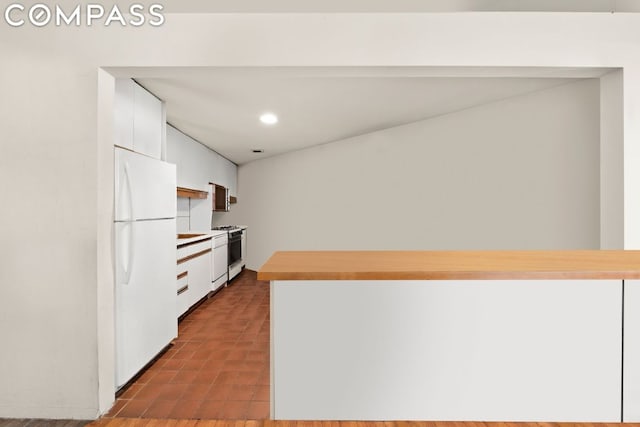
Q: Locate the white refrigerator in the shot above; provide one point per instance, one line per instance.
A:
(145, 260)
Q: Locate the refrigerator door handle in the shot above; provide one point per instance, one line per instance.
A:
(125, 247)
(129, 265)
(130, 188)
(132, 247)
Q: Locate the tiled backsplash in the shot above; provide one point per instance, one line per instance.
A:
(193, 214)
(200, 214)
(182, 215)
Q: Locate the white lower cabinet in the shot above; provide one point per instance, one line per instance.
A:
(193, 273)
(182, 289)
(631, 363)
(220, 261)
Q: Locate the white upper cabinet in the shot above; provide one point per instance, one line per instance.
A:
(229, 176)
(198, 165)
(123, 113)
(138, 118)
(147, 123)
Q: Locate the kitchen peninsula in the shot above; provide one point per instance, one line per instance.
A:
(455, 335)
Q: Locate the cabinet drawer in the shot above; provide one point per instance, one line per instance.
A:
(181, 269)
(182, 284)
(183, 302)
(191, 250)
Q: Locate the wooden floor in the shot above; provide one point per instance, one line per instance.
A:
(125, 422)
(41, 423)
(217, 368)
(148, 422)
(245, 320)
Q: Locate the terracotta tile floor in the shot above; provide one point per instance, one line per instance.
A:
(218, 367)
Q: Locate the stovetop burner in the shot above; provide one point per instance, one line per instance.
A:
(225, 227)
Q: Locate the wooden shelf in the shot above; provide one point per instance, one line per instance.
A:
(220, 197)
(233, 199)
(191, 193)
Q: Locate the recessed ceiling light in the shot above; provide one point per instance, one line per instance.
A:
(257, 150)
(269, 119)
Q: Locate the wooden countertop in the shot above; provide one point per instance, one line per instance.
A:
(451, 265)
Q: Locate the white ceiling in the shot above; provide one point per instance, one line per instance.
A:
(221, 109)
(384, 6)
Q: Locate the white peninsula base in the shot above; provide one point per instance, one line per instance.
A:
(475, 350)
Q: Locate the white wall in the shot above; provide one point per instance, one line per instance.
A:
(611, 167)
(105, 299)
(55, 266)
(48, 288)
(631, 153)
(522, 173)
